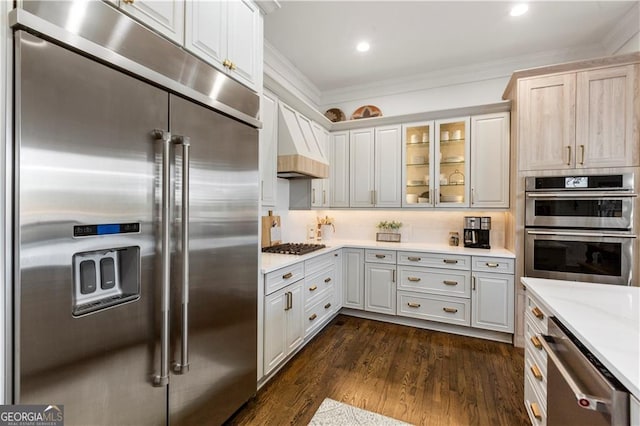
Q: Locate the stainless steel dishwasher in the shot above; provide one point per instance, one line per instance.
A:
(580, 390)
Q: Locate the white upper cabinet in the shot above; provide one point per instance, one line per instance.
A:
(321, 188)
(268, 149)
(388, 160)
(361, 167)
(228, 35)
(490, 160)
(339, 170)
(164, 16)
(374, 167)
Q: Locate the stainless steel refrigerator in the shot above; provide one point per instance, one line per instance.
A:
(136, 246)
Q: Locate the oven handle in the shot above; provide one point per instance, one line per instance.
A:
(582, 195)
(584, 400)
(581, 234)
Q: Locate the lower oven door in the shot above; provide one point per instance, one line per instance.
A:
(601, 257)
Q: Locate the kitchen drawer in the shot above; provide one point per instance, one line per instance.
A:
(317, 314)
(531, 343)
(533, 403)
(434, 281)
(493, 264)
(319, 262)
(380, 256)
(452, 310)
(318, 284)
(538, 378)
(435, 260)
(282, 277)
(538, 315)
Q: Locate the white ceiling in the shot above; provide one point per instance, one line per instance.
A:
(416, 37)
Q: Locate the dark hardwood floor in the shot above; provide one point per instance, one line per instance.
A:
(417, 376)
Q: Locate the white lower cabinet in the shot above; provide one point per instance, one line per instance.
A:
(452, 310)
(492, 293)
(283, 325)
(299, 300)
(380, 288)
(353, 278)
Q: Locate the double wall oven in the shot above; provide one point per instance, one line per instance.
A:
(582, 228)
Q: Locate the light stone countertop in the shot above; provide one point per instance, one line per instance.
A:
(604, 317)
(272, 262)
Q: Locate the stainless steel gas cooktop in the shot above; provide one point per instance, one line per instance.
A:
(293, 248)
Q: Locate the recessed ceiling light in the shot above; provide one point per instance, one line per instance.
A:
(363, 46)
(519, 9)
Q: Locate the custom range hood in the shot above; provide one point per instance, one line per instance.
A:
(300, 155)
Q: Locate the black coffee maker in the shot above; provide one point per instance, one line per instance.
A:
(476, 231)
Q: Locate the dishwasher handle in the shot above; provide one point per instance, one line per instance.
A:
(584, 400)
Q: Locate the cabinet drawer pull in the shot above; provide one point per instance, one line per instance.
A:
(568, 155)
(535, 409)
(380, 256)
(414, 258)
(582, 155)
(538, 313)
(414, 279)
(450, 310)
(536, 372)
(448, 282)
(312, 317)
(313, 288)
(492, 265)
(536, 342)
(287, 276)
(327, 280)
(450, 261)
(327, 306)
(413, 305)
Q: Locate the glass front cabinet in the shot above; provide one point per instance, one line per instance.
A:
(436, 163)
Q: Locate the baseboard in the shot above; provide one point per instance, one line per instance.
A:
(432, 325)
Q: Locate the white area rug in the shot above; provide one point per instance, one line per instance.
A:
(334, 413)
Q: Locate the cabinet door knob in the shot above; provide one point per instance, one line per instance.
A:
(327, 306)
(226, 63)
(450, 261)
(312, 317)
(327, 280)
(380, 256)
(232, 66)
(492, 265)
(450, 310)
(414, 258)
(287, 276)
(536, 372)
(313, 288)
(535, 409)
(414, 279)
(128, 1)
(413, 305)
(448, 282)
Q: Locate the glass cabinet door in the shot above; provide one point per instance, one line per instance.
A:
(451, 158)
(417, 170)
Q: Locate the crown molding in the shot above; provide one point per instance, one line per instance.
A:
(456, 75)
(622, 32)
(280, 69)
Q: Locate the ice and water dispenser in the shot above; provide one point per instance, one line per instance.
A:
(106, 277)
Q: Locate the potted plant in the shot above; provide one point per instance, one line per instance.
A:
(389, 231)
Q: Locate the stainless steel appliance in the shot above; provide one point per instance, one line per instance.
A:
(476, 232)
(297, 249)
(136, 238)
(580, 390)
(581, 228)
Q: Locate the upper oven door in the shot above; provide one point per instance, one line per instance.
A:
(601, 257)
(580, 209)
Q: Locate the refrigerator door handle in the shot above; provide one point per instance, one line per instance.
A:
(182, 367)
(165, 137)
